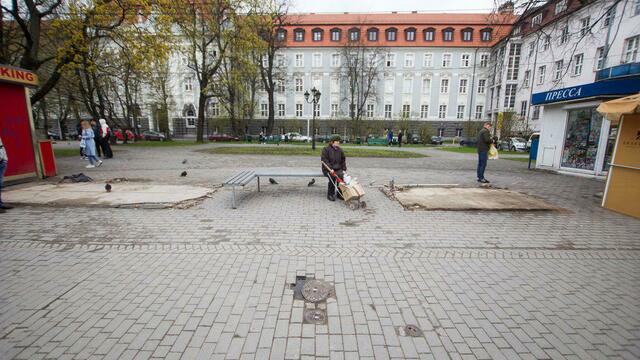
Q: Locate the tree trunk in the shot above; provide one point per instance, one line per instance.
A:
(202, 102)
(272, 112)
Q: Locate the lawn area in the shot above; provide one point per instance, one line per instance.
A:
(473, 150)
(66, 152)
(519, 159)
(168, 143)
(300, 151)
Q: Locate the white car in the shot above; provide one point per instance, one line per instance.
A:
(294, 136)
(514, 144)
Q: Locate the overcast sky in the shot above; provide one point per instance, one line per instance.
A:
(391, 5)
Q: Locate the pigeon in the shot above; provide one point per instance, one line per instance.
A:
(184, 173)
(372, 182)
(108, 187)
(184, 161)
(313, 181)
(273, 181)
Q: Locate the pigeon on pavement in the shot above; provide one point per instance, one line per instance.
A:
(184, 161)
(108, 187)
(184, 173)
(313, 181)
(273, 181)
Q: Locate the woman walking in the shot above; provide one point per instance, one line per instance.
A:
(105, 134)
(89, 145)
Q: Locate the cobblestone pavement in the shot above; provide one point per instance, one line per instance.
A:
(211, 282)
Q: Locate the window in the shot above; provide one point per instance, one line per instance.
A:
(610, 16)
(372, 34)
(631, 49)
(427, 61)
(298, 35)
(446, 60)
(280, 85)
(406, 111)
(281, 110)
(316, 60)
(462, 86)
(370, 110)
(407, 85)
(484, 60)
(442, 111)
(447, 34)
(409, 60)
(527, 79)
(298, 110)
(513, 62)
(459, 132)
(536, 113)
(561, 6)
(334, 110)
(541, 73)
(298, 85)
(426, 85)
(637, 8)
(599, 58)
(441, 132)
(335, 84)
(391, 60)
(299, 60)
(335, 34)
(281, 35)
(559, 66)
(316, 111)
(460, 112)
(388, 85)
(410, 34)
(482, 85)
(424, 111)
(354, 34)
(387, 111)
(264, 110)
(479, 109)
(429, 34)
(215, 109)
(523, 108)
(467, 34)
(188, 83)
(546, 43)
(536, 20)
(564, 36)
(577, 64)
(191, 117)
(335, 60)
(465, 60)
(584, 26)
(510, 96)
(444, 86)
(532, 48)
(317, 34)
(392, 34)
(281, 60)
(485, 35)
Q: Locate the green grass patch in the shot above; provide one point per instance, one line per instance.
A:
(167, 143)
(66, 152)
(526, 160)
(300, 151)
(473, 150)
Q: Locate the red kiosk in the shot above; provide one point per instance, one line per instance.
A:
(28, 157)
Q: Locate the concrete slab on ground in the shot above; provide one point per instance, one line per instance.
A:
(459, 199)
(94, 194)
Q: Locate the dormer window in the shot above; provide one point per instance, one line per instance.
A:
(536, 20)
(467, 34)
(372, 34)
(281, 34)
(354, 34)
(298, 35)
(336, 34)
(410, 34)
(429, 34)
(485, 35)
(392, 34)
(447, 34)
(316, 34)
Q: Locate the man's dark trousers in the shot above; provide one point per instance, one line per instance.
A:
(482, 163)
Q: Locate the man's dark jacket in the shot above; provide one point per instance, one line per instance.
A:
(334, 157)
(484, 140)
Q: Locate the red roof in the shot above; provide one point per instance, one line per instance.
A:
(395, 18)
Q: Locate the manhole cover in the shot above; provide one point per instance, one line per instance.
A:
(315, 316)
(413, 331)
(316, 290)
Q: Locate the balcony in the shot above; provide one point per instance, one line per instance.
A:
(624, 70)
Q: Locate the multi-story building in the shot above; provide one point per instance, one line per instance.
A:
(431, 68)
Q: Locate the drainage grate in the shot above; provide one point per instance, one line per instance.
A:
(316, 290)
(413, 331)
(315, 316)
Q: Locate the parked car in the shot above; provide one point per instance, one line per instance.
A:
(295, 136)
(53, 135)
(470, 142)
(437, 140)
(415, 139)
(531, 138)
(513, 144)
(151, 135)
(223, 137)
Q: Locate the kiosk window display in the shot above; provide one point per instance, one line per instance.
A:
(581, 140)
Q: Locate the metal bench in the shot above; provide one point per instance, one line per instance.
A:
(245, 177)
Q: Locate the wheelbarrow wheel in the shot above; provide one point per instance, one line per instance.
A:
(363, 204)
(353, 205)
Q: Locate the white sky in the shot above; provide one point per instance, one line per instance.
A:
(391, 5)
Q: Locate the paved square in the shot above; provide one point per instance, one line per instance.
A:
(210, 282)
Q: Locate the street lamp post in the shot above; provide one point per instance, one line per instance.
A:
(315, 93)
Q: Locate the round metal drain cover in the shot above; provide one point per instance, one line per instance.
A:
(315, 316)
(316, 290)
(413, 331)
